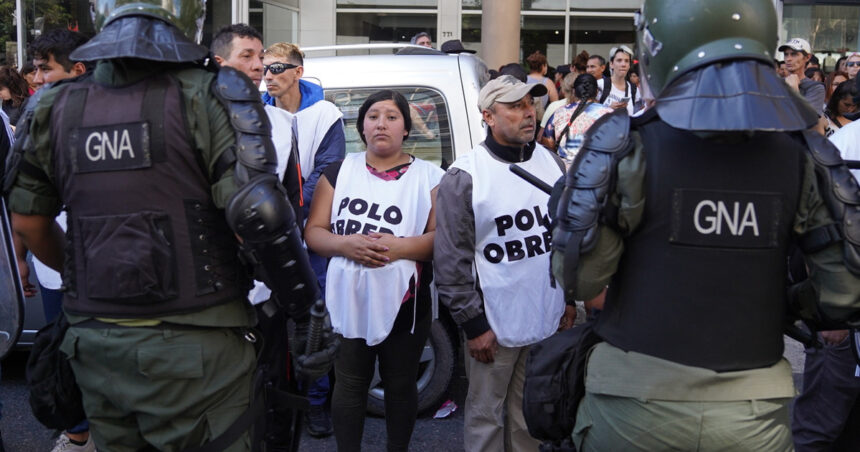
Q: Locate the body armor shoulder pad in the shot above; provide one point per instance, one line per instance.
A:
(254, 152)
(260, 213)
(589, 181)
(841, 194)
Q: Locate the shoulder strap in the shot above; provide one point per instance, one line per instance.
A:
(576, 113)
(607, 87)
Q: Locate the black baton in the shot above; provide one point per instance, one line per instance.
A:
(531, 178)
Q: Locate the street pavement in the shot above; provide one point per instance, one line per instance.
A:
(22, 433)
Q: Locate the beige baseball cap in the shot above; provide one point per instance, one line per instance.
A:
(507, 88)
(798, 44)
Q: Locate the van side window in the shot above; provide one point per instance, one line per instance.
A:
(430, 137)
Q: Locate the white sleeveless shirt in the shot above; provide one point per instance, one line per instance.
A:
(522, 302)
(363, 302)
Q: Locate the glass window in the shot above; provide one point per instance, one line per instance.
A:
(365, 28)
(526, 5)
(430, 137)
(544, 33)
(597, 35)
(40, 16)
(827, 28)
(277, 23)
(387, 3)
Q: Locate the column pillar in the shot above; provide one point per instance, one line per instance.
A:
(500, 32)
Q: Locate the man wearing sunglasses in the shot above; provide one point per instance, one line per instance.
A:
(797, 54)
(321, 142)
(240, 46)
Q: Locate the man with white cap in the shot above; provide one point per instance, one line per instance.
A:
(797, 53)
(492, 260)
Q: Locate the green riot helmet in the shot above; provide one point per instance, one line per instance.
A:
(674, 37)
(186, 15)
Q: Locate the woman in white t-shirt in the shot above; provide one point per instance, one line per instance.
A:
(622, 94)
(373, 215)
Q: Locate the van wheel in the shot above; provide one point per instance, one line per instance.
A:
(435, 371)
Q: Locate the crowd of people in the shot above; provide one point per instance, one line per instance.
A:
(162, 338)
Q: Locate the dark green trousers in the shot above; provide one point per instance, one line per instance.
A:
(607, 423)
(161, 389)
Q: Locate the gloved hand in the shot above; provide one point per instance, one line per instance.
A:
(314, 365)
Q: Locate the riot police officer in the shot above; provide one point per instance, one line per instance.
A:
(687, 213)
(146, 155)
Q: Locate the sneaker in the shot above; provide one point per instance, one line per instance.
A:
(318, 421)
(64, 444)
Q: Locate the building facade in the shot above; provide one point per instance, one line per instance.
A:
(558, 28)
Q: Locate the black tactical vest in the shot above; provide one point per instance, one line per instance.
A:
(702, 281)
(144, 238)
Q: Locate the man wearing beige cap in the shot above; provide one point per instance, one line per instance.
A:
(491, 262)
(797, 53)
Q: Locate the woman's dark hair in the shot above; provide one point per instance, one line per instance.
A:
(27, 68)
(16, 83)
(828, 83)
(810, 72)
(848, 88)
(380, 96)
(584, 89)
(580, 62)
(536, 61)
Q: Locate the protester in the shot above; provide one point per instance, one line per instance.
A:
(51, 53)
(422, 39)
(373, 215)
(580, 63)
(320, 142)
(847, 138)
(566, 90)
(797, 53)
(620, 94)
(852, 65)
(241, 47)
(840, 64)
(815, 74)
(566, 129)
(841, 104)
(537, 74)
(596, 67)
(832, 81)
(499, 293)
(560, 73)
(155, 292)
(14, 92)
(692, 326)
(28, 71)
(780, 69)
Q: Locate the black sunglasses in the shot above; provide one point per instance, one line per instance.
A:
(277, 68)
(852, 63)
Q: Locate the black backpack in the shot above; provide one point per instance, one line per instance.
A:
(55, 397)
(555, 383)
